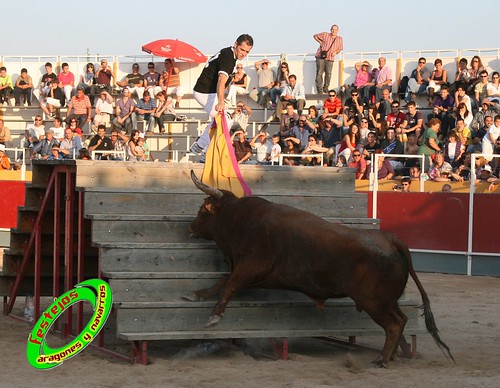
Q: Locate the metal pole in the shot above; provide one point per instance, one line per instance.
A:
(375, 186)
(471, 212)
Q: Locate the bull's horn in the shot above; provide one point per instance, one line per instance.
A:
(216, 193)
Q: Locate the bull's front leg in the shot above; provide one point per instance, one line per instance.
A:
(220, 307)
(206, 293)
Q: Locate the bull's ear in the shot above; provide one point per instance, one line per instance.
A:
(209, 207)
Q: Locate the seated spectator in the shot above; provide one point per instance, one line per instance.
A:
(313, 147)
(350, 142)
(239, 84)
(453, 150)
(488, 108)
(5, 136)
(266, 77)
(384, 105)
(55, 155)
(490, 138)
(414, 120)
(371, 146)
(331, 136)
(300, 132)
(164, 110)
(485, 175)
(54, 99)
(34, 133)
(6, 86)
(80, 108)
(359, 163)
(84, 154)
(464, 113)
(396, 119)
(462, 133)
(404, 186)
(73, 125)
(462, 97)
(355, 105)
(125, 118)
(262, 146)
(152, 80)
(362, 81)
(288, 121)
(71, 145)
(493, 88)
(170, 81)
(429, 142)
(280, 83)
(462, 76)
(140, 149)
(241, 115)
(384, 169)
(481, 87)
(134, 82)
(383, 80)
(103, 77)
(419, 80)
(66, 81)
(332, 106)
(475, 70)
(87, 79)
(23, 88)
(43, 149)
(391, 145)
(58, 129)
(103, 110)
(477, 137)
(437, 79)
(440, 170)
(145, 109)
(414, 172)
(290, 148)
(294, 93)
(411, 148)
(45, 83)
(444, 108)
(4, 159)
(119, 144)
(133, 151)
(242, 148)
(100, 142)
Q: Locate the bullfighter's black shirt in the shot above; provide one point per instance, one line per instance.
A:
(222, 62)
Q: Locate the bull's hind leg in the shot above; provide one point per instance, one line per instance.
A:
(393, 324)
(206, 293)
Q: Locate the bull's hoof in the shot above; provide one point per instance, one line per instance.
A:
(380, 363)
(213, 320)
(193, 297)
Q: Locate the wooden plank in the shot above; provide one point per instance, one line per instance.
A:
(261, 318)
(153, 259)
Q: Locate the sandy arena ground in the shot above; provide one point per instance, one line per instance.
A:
(467, 312)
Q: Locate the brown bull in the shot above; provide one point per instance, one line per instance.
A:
(320, 259)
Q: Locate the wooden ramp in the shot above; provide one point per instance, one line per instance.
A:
(140, 215)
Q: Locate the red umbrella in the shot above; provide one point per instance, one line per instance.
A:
(175, 48)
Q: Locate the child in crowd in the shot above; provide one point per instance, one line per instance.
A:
(276, 149)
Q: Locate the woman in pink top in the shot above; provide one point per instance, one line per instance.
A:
(363, 76)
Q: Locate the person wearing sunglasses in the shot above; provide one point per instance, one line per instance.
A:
(419, 80)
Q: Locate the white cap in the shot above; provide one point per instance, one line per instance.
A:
(487, 168)
(141, 135)
(2, 147)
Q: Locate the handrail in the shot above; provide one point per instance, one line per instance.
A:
(23, 165)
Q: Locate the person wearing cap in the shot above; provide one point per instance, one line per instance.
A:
(103, 77)
(419, 80)
(242, 148)
(80, 108)
(170, 81)
(485, 175)
(330, 44)
(262, 146)
(45, 82)
(133, 81)
(262, 95)
(43, 149)
(4, 159)
(23, 88)
(66, 81)
(6, 86)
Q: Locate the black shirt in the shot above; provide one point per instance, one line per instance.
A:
(106, 145)
(222, 62)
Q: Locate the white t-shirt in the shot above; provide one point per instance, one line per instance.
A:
(493, 90)
(494, 131)
(275, 151)
(262, 150)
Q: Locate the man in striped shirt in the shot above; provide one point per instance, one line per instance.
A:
(80, 105)
(330, 44)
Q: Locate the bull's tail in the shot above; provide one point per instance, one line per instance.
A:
(430, 323)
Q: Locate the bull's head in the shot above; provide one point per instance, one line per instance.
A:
(204, 224)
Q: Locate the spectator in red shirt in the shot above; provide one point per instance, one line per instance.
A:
(332, 106)
(358, 163)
